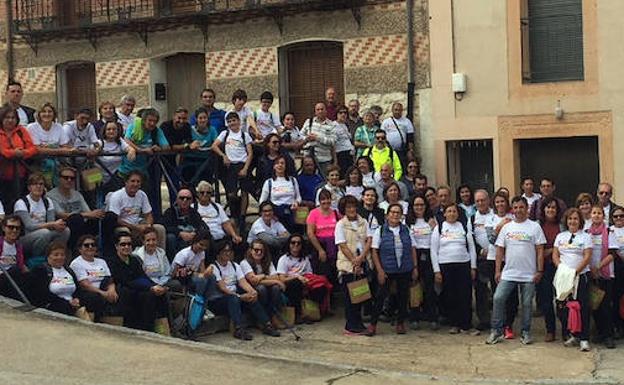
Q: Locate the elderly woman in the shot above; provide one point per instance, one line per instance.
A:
(260, 272)
(269, 229)
(573, 249)
(98, 291)
(154, 259)
(142, 301)
(53, 286)
(351, 237)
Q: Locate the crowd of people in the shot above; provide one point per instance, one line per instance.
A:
(343, 212)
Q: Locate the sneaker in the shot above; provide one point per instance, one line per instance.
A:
(609, 343)
(400, 328)
(454, 330)
(414, 325)
(549, 337)
(585, 346)
(434, 326)
(525, 338)
(508, 333)
(371, 330)
(270, 331)
(571, 341)
(243, 334)
(494, 338)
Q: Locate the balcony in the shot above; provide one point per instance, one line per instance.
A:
(41, 20)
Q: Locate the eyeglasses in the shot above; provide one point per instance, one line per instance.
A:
(91, 245)
(618, 216)
(17, 228)
(603, 193)
(204, 192)
(256, 250)
(124, 244)
(185, 198)
(295, 242)
(68, 177)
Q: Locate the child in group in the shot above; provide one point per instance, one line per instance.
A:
(246, 116)
(112, 143)
(267, 122)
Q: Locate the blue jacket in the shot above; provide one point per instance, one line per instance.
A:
(387, 256)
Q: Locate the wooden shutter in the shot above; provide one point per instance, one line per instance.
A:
(186, 78)
(80, 79)
(556, 40)
(312, 68)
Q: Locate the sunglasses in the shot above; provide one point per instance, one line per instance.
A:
(204, 192)
(295, 242)
(603, 193)
(618, 216)
(185, 198)
(124, 244)
(274, 142)
(16, 228)
(257, 250)
(90, 245)
(68, 177)
(380, 138)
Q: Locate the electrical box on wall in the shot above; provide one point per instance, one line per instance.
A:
(459, 82)
(160, 91)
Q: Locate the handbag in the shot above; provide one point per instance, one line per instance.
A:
(91, 178)
(416, 295)
(596, 296)
(301, 214)
(310, 310)
(359, 291)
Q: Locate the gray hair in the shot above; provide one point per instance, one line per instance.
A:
(128, 98)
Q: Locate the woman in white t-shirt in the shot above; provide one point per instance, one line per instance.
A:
(421, 223)
(189, 266)
(573, 248)
(98, 292)
(113, 143)
(365, 165)
(454, 262)
(283, 191)
(353, 183)
(260, 272)
(268, 229)
(291, 268)
(584, 203)
(155, 262)
(292, 140)
(392, 195)
(54, 287)
(236, 294)
(616, 248)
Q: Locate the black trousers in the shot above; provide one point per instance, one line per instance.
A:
(402, 281)
(457, 293)
(618, 292)
(428, 311)
(602, 315)
(353, 311)
(141, 308)
(294, 293)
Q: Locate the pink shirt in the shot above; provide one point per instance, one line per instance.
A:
(325, 225)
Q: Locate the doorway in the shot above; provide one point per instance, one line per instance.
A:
(77, 89)
(573, 163)
(470, 162)
(186, 78)
(311, 68)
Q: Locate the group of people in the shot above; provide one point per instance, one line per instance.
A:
(341, 201)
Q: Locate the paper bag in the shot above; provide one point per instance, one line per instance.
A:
(359, 291)
(301, 214)
(310, 310)
(596, 295)
(91, 178)
(287, 314)
(416, 295)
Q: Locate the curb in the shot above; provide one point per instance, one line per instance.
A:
(350, 369)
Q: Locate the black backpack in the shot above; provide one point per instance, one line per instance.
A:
(464, 226)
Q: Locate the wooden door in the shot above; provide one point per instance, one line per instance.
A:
(312, 68)
(80, 80)
(186, 78)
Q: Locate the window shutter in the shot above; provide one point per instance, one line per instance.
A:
(556, 40)
(80, 88)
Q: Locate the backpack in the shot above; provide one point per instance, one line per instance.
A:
(290, 178)
(46, 203)
(195, 310)
(464, 226)
(227, 133)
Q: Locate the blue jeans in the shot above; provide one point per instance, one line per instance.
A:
(503, 291)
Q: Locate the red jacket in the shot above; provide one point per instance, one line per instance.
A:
(17, 139)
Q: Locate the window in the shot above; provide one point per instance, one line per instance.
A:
(552, 40)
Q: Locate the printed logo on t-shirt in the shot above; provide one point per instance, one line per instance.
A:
(519, 236)
(8, 260)
(129, 211)
(296, 269)
(93, 273)
(452, 235)
(233, 142)
(597, 240)
(64, 280)
(570, 246)
(38, 217)
(420, 231)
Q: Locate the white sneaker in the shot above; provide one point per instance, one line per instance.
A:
(494, 338)
(526, 339)
(585, 346)
(572, 341)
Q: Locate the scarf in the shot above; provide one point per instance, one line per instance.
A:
(603, 231)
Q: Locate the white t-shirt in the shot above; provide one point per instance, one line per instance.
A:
(616, 241)
(519, 241)
(398, 245)
(257, 269)
(392, 133)
(62, 283)
(490, 227)
(368, 180)
(231, 273)
(54, 137)
(84, 138)
(37, 209)
(244, 115)
(8, 259)
(267, 122)
(535, 197)
(449, 246)
(420, 232)
(340, 237)
(112, 162)
(293, 266)
(94, 272)
(597, 252)
(129, 209)
(23, 116)
(343, 138)
(2, 208)
(282, 191)
(189, 259)
(354, 191)
(235, 150)
(151, 266)
(214, 219)
(571, 253)
(274, 229)
(480, 231)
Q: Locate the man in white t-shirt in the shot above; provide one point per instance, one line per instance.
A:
(521, 245)
(400, 133)
(81, 133)
(128, 209)
(486, 257)
(266, 121)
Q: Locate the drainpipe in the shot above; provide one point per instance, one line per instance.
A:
(411, 85)
(9, 38)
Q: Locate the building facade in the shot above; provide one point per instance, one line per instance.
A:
(83, 52)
